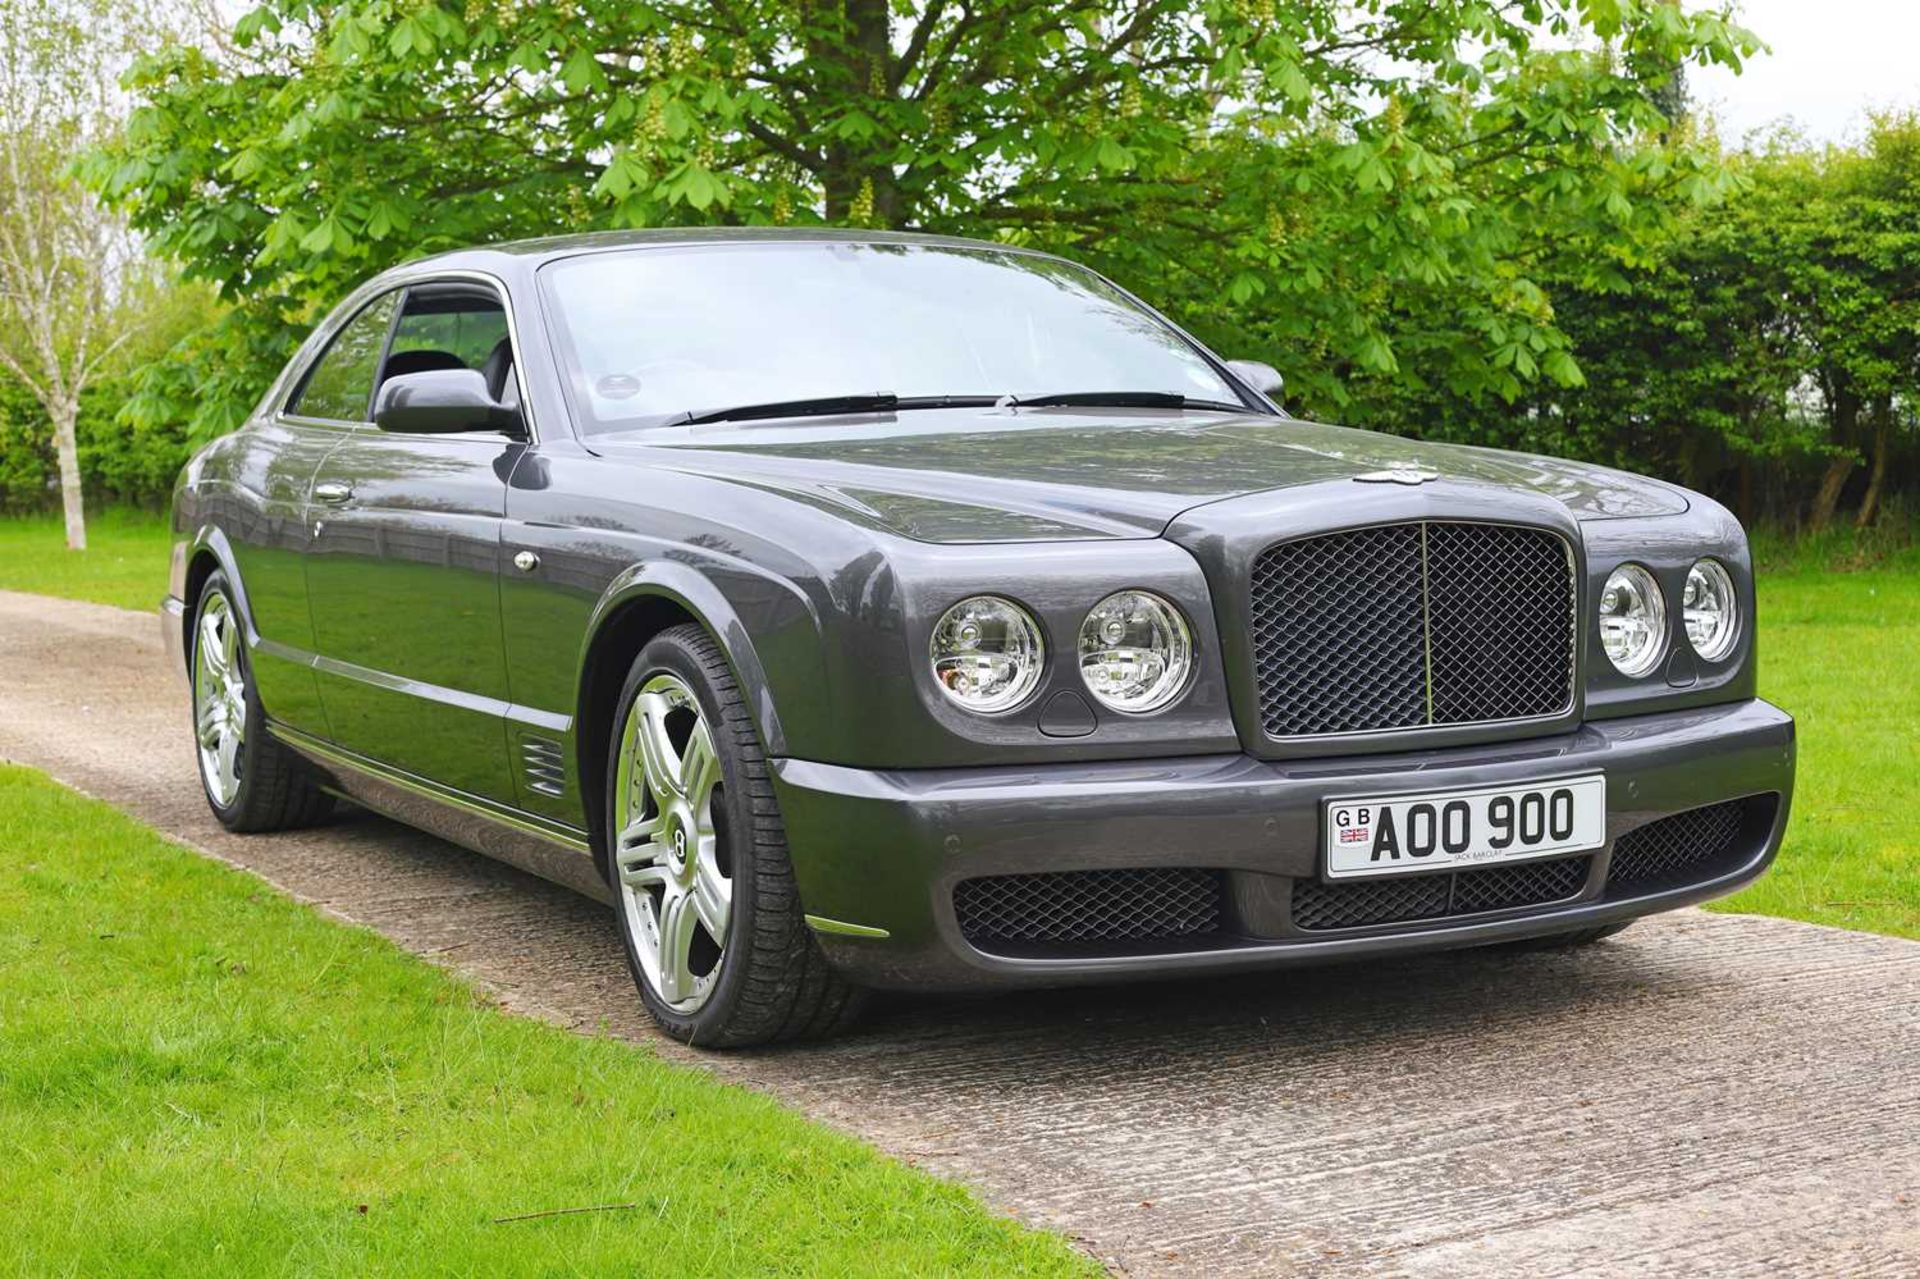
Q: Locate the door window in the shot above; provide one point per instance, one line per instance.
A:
(453, 326)
(340, 387)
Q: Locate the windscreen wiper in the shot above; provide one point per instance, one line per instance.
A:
(1118, 400)
(827, 405)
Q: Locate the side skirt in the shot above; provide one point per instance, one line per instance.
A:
(534, 844)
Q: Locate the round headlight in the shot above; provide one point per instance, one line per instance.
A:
(987, 654)
(1708, 608)
(1633, 620)
(1135, 652)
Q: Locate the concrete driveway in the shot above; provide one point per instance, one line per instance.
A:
(1707, 1094)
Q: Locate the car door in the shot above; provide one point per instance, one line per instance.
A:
(403, 572)
(267, 525)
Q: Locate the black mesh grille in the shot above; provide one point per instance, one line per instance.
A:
(1356, 903)
(1500, 609)
(1528, 884)
(1678, 849)
(1089, 906)
(1345, 626)
(1320, 672)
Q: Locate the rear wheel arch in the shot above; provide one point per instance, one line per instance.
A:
(202, 566)
(209, 555)
(261, 784)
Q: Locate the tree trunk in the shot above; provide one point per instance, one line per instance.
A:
(65, 447)
(1843, 428)
(861, 186)
(1870, 504)
(1828, 498)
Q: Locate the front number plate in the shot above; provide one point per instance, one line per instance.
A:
(1394, 834)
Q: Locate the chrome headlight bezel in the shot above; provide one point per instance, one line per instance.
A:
(1709, 578)
(1170, 638)
(1002, 627)
(1632, 592)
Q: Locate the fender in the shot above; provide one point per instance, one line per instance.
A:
(282, 673)
(685, 586)
(210, 540)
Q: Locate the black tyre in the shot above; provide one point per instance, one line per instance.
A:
(697, 856)
(252, 782)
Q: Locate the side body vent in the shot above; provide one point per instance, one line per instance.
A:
(545, 764)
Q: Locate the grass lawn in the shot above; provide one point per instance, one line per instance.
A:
(199, 1076)
(125, 562)
(1841, 650)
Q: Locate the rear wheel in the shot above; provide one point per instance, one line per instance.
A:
(698, 858)
(252, 782)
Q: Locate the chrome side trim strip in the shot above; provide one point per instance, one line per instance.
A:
(474, 702)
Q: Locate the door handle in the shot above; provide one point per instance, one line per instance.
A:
(333, 494)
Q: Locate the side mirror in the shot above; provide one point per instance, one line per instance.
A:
(442, 401)
(1263, 378)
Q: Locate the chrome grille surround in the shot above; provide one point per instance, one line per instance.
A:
(1410, 626)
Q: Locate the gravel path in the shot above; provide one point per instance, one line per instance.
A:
(1706, 1094)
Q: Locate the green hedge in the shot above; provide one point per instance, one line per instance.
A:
(121, 465)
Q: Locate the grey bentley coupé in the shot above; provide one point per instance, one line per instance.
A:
(855, 610)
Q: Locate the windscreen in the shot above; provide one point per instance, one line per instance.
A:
(651, 334)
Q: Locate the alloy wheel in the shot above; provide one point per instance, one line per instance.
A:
(670, 853)
(220, 700)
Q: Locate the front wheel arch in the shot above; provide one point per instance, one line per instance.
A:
(642, 604)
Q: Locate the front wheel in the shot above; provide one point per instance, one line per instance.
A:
(697, 856)
(252, 782)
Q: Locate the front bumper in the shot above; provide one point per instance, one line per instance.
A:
(883, 851)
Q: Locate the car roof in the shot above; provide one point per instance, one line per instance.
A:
(533, 252)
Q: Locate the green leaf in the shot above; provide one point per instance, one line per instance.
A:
(329, 235)
(1110, 155)
(410, 35)
(251, 26)
(582, 72)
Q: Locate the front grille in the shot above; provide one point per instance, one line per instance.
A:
(1154, 904)
(1407, 626)
(1527, 884)
(1356, 903)
(1681, 849)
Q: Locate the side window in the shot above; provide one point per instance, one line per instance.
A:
(452, 326)
(467, 328)
(340, 386)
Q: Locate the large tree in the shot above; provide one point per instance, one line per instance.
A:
(1355, 187)
(67, 263)
(1839, 230)
(1769, 349)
